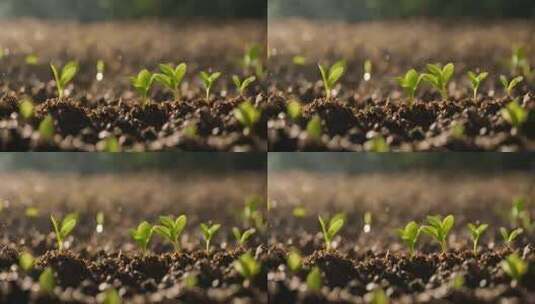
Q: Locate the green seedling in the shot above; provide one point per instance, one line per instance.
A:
(67, 75)
(101, 66)
(520, 215)
(111, 296)
(515, 267)
(208, 233)
(510, 236)
(476, 80)
(519, 62)
(367, 219)
(26, 261)
(142, 235)
(247, 115)
(439, 228)
(26, 109)
(251, 214)
(143, 83)
(509, 86)
(46, 128)
(62, 228)
(247, 266)
(171, 229)
(208, 81)
(294, 261)
(476, 232)
(410, 83)
(514, 114)
(171, 77)
(241, 86)
(331, 76)
(314, 128)
(47, 281)
(294, 109)
(368, 67)
(331, 228)
(314, 281)
(439, 77)
(252, 60)
(100, 222)
(242, 238)
(409, 235)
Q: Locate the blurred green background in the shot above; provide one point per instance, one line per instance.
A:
(183, 163)
(359, 10)
(88, 10)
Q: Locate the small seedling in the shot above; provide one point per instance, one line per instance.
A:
(241, 86)
(67, 74)
(410, 235)
(514, 267)
(26, 109)
(294, 109)
(101, 66)
(519, 62)
(100, 222)
(314, 281)
(208, 234)
(439, 228)
(26, 261)
(171, 229)
(331, 76)
(439, 77)
(367, 219)
(172, 77)
(111, 296)
(64, 227)
(242, 238)
(514, 114)
(294, 261)
(476, 80)
(329, 231)
(143, 83)
(476, 232)
(509, 86)
(247, 266)
(251, 213)
(314, 128)
(47, 281)
(410, 83)
(142, 235)
(247, 115)
(252, 59)
(368, 67)
(520, 215)
(510, 236)
(208, 81)
(46, 128)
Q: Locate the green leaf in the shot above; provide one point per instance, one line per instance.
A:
(46, 128)
(294, 109)
(47, 282)
(26, 261)
(112, 297)
(294, 261)
(26, 109)
(68, 72)
(335, 227)
(313, 280)
(314, 128)
(514, 114)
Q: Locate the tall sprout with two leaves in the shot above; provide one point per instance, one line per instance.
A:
(62, 228)
(476, 232)
(171, 229)
(171, 77)
(330, 76)
(243, 237)
(330, 228)
(242, 85)
(143, 83)
(208, 232)
(208, 81)
(439, 77)
(409, 235)
(439, 229)
(410, 82)
(476, 80)
(142, 235)
(510, 85)
(64, 76)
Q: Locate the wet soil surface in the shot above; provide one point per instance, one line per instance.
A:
(368, 256)
(367, 107)
(93, 262)
(101, 106)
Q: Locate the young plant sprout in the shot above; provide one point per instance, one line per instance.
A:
(510, 236)
(519, 62)
(294, 261)
(331, 229)
(476, 232)
(171, 229)
(514, 267)
(368, 67)
(172, 77)
(294, 109)
(439, 228)
(247, 266)
(99, 218)
(251, 214)
(242, 238)
(509, 86)
(67, 74)
(46, 128)
(241, 86)
(26, 109)
(62, 228)
(439, 77)
(142, 235)
(252, 59)
(410, 83)
(410, 235)
(47, 281)
(476, 80)
(314, 128)
(520, 215)
(247, 115)
(208, 233)
(26, 261)
(514, 114)
(331, 76)
(313, 280)
(208, 81)
(143, 83)
(101, 66)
